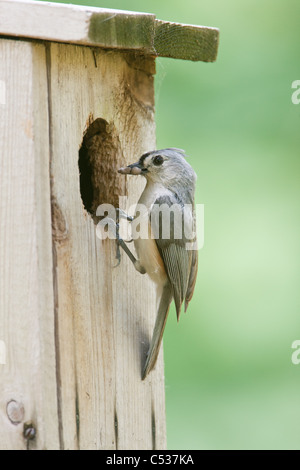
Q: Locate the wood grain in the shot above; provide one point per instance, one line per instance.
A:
(104, 315)
(183, 41)
(28, 376)
(75, 329)
(108, 29)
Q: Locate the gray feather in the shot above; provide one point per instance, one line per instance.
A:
(158, 331)
(177, 260)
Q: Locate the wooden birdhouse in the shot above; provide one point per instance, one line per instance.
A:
(76, 104)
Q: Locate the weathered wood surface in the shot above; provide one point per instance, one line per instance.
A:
(107, 28)
(76, 330)
(28, 377)
(183, 41)
(112, 309)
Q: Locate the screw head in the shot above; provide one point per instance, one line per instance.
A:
(29, 431)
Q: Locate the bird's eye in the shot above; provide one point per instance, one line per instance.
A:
(158, 160)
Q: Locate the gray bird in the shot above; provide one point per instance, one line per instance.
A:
(167, 259)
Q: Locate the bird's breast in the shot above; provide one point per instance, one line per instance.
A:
(150, 259)
(146, 247)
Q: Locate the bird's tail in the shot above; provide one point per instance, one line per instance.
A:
(160, 323)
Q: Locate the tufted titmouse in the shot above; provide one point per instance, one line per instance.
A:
(170, 260)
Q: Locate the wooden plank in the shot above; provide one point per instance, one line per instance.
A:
(76, 24)
(28, 375)
(108, 29)
(105, 315)
(183, 41)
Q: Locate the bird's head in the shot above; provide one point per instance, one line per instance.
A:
(167, 167)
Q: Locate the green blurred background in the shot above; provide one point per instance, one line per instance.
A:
(230, 382)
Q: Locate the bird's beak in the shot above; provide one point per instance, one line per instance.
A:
(133, 169)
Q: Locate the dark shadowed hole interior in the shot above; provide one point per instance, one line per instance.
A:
(100, 156)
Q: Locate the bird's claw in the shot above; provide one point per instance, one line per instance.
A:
(120, 215)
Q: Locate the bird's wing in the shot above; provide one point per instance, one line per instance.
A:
(192, 278)
(170, 236)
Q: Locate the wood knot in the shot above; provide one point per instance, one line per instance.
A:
(15, 411)
(59, 224)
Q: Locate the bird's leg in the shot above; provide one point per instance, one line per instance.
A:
(121, 243)
(122, 215)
